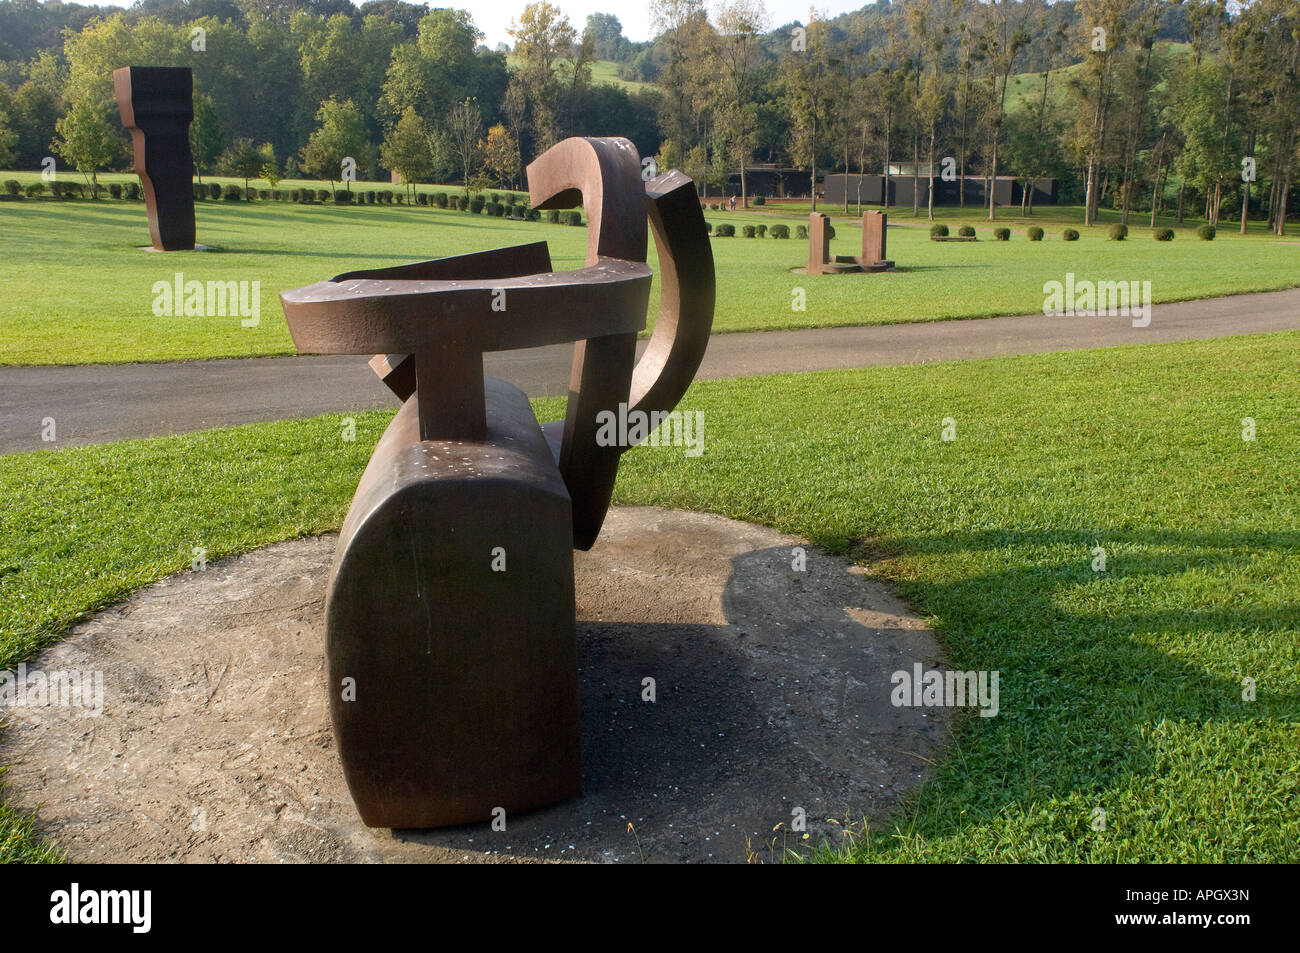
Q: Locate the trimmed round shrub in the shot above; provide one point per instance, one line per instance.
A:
(747, 231)
(495, 197)
(714, 206)
(762, 230)
(830, 230)
(491, 207)
(801, 231)
(250, 194)
(14, 187)
(708, 227)
(966, 231)
(780, 231)
(421, 198)
(1002, 234)
(214, 190)
(322, 195)
(264, 194)
(370, 196)
(295, 195)
(276, 195)
(1206, 232)
(476, 204)
(533, 215)
(938, 231)
(1035, 234)
(307, 196)
(232, 193)
(35, 189)
(760, 200)
(572, 217)
(552, 216)
(200, 192)
(440, 199)
(517, 213)
(1164, 234)
(1070, 235)
(133, 191)
(114, 190)
(342, 197)
(725, 231)
(1117, 232)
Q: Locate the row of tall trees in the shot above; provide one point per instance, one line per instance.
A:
(1089, 93)
(1190, 105)
(310, 90)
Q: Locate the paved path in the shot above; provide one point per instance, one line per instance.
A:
(101, 403)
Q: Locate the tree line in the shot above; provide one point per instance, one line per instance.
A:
(1146, 106)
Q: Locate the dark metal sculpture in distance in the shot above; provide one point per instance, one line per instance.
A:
(157, 106)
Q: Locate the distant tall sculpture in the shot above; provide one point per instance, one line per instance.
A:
(157, 107)
(449, 616)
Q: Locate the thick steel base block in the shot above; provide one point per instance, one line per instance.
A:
(450, 634)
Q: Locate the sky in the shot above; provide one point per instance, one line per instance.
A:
(494, 16)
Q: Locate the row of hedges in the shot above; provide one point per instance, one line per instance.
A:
(1117, 232)
(68, 190)
(758, 231)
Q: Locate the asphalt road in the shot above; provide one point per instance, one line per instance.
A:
(103, 403)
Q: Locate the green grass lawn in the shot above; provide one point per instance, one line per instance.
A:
(77, 289)
(1120, 689)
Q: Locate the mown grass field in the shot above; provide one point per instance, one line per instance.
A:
(1120, 689)
(78, 290)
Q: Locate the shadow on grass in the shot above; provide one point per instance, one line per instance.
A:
(1080, 690)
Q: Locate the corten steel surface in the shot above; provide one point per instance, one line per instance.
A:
(819, 243)
(874, 257)
(873, 237)
(463, 667)
(157, 106)
(466, 678)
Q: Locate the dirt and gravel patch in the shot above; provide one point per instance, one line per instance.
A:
(772, 692)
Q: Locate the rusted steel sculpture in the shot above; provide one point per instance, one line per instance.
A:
(874, 226)
(450, 611)
(872, 259)
(157, 106)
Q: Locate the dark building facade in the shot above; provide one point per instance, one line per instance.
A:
(1007, 190)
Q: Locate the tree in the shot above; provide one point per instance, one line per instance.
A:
(514, 110)
(608, 42)
(341, 135)
(1104, 22)
(207, 141)
(86, 139)
(739, 53)
(464, 129)
(543, 39)
(678, 23)
(270, 169)
(1006, 39)
(405, 149)
(806, 77)
(437, 70)
(8, 140)
(243, 160)
(501, 155)
(35, 110)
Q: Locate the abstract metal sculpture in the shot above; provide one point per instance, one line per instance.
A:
(872, 259)
(157, 106)
(450, 633)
